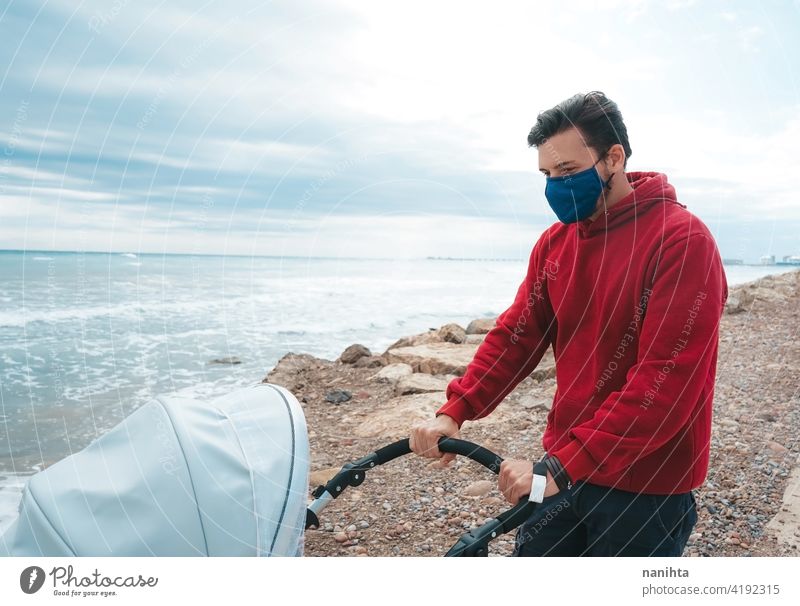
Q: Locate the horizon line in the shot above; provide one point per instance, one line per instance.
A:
(199, 254)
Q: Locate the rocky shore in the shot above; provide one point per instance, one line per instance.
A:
(748, 505)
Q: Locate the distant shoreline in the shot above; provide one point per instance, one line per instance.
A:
(426, 258)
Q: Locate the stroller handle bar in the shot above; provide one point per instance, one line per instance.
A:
(479, 454)
(472, 543)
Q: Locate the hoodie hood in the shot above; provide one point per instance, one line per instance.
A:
(649, 189)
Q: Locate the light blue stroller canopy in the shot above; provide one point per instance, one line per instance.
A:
(177, 477)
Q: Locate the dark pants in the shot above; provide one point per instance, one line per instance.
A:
(591, 520)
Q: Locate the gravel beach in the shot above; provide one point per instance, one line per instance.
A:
(410, 507)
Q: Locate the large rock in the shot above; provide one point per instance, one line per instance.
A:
(353, 353)
(420, 383)
(739, 301)
(480, 326)
(290, 369)
(398, 415)
(228, 360)
(769, 289)
(370, 362)
(431, 336)
(436, 358)
(452, 333)
(392, 373)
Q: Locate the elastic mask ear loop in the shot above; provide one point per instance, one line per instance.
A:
(607, 184)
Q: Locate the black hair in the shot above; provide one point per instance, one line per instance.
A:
(596, 117)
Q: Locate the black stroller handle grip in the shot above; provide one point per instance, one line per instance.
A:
(479, 454)
(473, 451)
(392, 451)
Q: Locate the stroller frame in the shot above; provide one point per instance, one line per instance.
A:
(473, 543)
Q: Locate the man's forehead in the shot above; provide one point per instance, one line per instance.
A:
(562, 149)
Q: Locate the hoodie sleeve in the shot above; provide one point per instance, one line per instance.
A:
(510, 351)
(676, 361)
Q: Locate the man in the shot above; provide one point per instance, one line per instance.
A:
(628, 288)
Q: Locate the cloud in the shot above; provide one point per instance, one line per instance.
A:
(352, 109)
(721, 161)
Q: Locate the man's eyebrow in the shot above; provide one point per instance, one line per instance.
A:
(562, 164)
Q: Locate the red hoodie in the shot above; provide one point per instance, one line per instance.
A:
(631, 303)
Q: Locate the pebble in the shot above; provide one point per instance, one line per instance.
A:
(777, 448)
(493, 501)
(337, 396)
(340, 537)
(479, 489)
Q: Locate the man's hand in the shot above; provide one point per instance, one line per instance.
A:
(425, 436)
(515, 480)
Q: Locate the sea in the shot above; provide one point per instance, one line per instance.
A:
(87, 338)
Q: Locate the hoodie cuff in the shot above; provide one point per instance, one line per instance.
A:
(575, 460)
(457, 409)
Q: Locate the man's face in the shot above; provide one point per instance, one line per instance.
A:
(566, 153)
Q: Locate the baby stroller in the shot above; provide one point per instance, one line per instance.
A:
(177, 477)
(181, 477)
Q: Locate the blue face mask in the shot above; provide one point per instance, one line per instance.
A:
(574, 197)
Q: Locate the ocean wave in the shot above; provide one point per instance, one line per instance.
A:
(124, 310)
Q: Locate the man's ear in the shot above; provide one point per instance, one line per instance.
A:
(616, 153)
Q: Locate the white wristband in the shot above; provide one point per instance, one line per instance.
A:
(538, 486)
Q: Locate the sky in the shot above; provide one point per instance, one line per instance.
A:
(379, 129)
